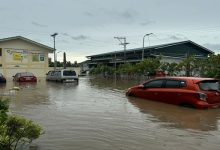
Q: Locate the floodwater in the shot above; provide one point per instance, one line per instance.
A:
(96, 115)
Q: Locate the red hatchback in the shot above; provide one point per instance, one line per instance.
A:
(184, 91)
(25, 77)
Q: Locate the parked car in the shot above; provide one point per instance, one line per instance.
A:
(25, 77)
(63, 75)
(184, 91)
(2, 78)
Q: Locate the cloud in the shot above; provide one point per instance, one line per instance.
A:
(129, 14)
(177, 37)
(64, 41)
(38, 24)
(65, 34)
(146, 23)
(89, 14)
(79, 37)
(213, 47)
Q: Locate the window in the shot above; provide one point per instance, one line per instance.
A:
(69, 73)
(175, 84)
(0, 51)
(38, 57)
(212, 85)
(154, 84)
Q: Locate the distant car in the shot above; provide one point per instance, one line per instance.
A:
(25, 77)
(2, 78)
(63, 75)
(184, 91)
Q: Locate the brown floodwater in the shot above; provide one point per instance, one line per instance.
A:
(96, 115)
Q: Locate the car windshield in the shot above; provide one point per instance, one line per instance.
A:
(26, 74)
(211, 85)
(69, 73)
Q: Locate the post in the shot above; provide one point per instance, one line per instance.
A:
(143, 44)
(55, 61)
(64, 60)
(125, 50)
(124, 44)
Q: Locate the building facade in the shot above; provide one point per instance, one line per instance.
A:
(19, 54)
(172, 52)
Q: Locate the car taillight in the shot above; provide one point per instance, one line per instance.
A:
(202, 96)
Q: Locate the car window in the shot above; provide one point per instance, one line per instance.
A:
(69, 73)
(209, 85)
(154, 84)
(52, 73)
(175, 84)
(57, 73)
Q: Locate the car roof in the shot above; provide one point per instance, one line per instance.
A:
(62, 70)
(25, 73)
(195, 79)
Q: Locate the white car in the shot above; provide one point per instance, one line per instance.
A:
(63, 75)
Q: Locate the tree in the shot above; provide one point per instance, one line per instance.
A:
(211, 66)
(15, 131)
(171, 68)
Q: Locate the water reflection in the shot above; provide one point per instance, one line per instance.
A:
(178, 117)
(113, 83)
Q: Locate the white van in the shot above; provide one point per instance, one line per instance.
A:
(63, 75)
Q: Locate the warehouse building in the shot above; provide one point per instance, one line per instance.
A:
(172, 52)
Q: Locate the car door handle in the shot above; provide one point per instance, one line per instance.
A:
(155, 93)
(179, 94)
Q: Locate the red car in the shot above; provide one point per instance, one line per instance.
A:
(25, 77)
(184, 91)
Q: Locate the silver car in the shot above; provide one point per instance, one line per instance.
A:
(63, 75)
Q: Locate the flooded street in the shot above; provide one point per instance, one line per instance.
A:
(96, 115)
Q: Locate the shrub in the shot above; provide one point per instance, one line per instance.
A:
(15, 131)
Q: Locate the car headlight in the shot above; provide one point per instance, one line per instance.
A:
(202, 96)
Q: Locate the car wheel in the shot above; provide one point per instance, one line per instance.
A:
(130, 94)
(187, 105)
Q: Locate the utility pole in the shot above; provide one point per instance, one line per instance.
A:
(64, 60)
(143, 44)
(124, 43)
(55, 61)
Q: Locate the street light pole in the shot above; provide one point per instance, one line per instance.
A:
(143, 44)
(55, 61)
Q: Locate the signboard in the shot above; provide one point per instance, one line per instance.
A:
(17, 57)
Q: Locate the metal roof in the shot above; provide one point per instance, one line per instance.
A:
(27, 40)
(154, 47)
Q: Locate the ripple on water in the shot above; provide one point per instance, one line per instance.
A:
(96, 114)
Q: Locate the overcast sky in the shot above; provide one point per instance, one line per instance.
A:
(87, 27)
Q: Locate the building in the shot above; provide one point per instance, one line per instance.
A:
(19, 54)
(172, 52)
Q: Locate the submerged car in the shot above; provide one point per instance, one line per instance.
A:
(2, 78)
(25, 77)
(63, 75)
(184, 91)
